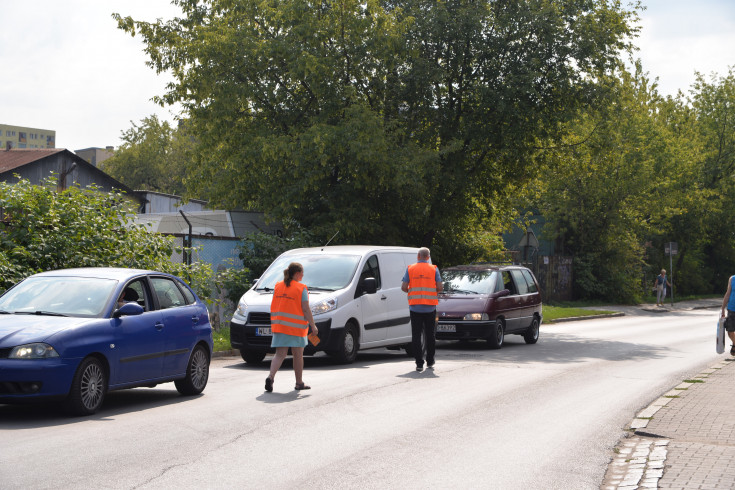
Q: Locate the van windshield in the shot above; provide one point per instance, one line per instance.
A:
(321, 272)
(469, 282)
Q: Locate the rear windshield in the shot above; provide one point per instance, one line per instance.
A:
(321, 272)
(470, 282)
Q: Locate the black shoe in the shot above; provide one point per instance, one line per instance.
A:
(732, 350)
(430, 364)
(419, 367)
(268, 384)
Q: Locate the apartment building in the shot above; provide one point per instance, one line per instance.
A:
(22, 137)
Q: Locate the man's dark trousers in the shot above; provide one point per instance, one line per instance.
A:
(427, 323)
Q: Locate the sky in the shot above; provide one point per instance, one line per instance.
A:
(65, 66)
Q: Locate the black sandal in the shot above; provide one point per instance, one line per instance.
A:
(302, 386)
(268, 384)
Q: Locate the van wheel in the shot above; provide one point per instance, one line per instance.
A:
(348, 345)
(409, 347)
(496, 340)
(252, 357)
(531, 335)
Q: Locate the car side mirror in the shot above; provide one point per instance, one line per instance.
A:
(128, 309)
(369, 285)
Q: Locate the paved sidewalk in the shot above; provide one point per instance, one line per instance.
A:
(685, 439)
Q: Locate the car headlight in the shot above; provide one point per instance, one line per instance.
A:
(33, 351)
(242, 308)
(476, 316)
(324, 306)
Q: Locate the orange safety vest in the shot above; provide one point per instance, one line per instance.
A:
(287, 316)
(422, 284)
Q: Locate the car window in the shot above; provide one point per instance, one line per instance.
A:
(371, 269)
(63, 295)
(470, 281)
(167, 293)
(520, 281)
(190, 299)
(508, 283)
(139, 295)
(529, 280)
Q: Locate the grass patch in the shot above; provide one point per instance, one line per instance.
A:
(672, 396)
(221, 339)
(552, 313)
(693, 381)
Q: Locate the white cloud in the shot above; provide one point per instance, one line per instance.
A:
(679, 37)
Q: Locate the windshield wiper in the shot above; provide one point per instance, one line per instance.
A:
(40, 313)
(3, 312)
(264, 288)
(463, 291)
(317, 288)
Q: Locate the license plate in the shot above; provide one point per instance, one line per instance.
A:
(446, 328)
(263, 331)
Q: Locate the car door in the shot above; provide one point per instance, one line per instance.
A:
(139, 341)
(525, 310)
(509, 306)
(180, 319)
(398, 316)
(372, 306)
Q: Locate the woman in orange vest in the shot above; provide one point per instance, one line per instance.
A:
(290, 321)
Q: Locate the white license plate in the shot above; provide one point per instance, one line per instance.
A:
(263, 331)
(446, 328)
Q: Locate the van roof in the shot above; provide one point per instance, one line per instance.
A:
(351, 249)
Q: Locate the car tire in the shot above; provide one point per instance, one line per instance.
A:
(88, 388)
(197, 373)
(252, 357)
(497, 339)
(532, 334)
(409, 347)
(348, 345)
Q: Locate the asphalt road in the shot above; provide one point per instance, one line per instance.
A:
(540, 416)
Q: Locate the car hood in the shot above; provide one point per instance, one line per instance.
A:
(458, 305)
(24, 329)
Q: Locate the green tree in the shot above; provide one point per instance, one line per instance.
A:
(713, 105)
(42, 229)
(401, 122)
(152, 157)
(624, 178)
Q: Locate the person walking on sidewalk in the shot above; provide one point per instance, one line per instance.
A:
(728, 303)
(422, 282)
(660, 285)
(290, 321)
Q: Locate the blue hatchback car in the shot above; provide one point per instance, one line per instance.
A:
(76, 334)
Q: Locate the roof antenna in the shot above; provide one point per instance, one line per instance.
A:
(330, 240)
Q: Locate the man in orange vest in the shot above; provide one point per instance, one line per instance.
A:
(423, 283)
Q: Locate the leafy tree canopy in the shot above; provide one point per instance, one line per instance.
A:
(152, 157)
(401, 122)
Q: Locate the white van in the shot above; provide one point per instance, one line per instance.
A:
(355, 297)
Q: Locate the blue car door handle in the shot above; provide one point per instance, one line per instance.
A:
(159, 326)
(194, 319)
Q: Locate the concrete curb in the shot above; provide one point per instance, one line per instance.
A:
(587, 317)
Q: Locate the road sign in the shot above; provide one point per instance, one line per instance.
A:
(671, 248)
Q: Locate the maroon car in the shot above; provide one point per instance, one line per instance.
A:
(486, 301)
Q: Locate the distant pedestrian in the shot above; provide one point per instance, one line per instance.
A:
(728, 303)
(290, 320)
(660, 284)
(423, 282)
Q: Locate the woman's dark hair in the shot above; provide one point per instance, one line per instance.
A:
(288, 274)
